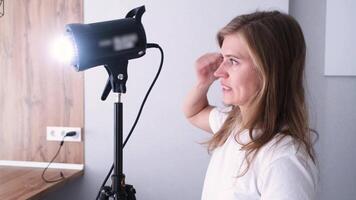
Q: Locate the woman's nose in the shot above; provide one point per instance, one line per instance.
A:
(220, 72)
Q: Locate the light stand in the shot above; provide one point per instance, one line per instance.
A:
(117, 83)
(112, 44)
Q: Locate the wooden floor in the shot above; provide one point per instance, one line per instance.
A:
(20, 183)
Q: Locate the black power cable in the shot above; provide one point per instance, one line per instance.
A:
(68, 134)
(149, 45)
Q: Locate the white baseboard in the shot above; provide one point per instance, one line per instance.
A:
(14, 163)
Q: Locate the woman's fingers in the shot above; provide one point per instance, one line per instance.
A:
(206, 65)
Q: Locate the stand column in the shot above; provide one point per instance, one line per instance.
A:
(118, 181)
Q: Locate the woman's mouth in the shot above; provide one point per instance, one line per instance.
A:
(225, 88)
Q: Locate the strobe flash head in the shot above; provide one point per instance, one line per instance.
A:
(107, 42)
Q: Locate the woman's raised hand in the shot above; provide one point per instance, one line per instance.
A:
(205, 66)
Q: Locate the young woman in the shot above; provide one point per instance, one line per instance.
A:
(262, 146)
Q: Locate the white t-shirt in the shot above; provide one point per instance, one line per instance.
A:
(278, 172)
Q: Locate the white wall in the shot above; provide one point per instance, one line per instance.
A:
(332, 102)
(163, 159)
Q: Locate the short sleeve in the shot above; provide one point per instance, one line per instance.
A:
(217, 118)
(289, 178)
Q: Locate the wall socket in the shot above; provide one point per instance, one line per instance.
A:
(56, 133)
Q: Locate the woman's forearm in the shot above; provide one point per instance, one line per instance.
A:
(196, 100)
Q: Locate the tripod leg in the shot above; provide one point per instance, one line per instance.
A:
(130, 190)
(105, 193)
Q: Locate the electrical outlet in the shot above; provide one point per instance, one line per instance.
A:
(55, 133)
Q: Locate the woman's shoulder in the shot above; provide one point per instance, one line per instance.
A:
(283, 146)
(284, 163)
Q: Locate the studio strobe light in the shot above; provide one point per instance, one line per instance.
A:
(106, 42)
(111, 44)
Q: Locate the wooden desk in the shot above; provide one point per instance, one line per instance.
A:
(20, 183)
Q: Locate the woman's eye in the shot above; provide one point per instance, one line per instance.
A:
(234, 62)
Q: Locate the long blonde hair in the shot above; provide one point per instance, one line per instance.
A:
(277, 47)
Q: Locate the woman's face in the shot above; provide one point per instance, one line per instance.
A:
(237, 74)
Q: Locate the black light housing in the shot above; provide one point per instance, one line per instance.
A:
(107, 42)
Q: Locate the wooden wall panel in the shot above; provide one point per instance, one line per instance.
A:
(35, 90)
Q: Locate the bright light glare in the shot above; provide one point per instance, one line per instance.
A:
(63, 49)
